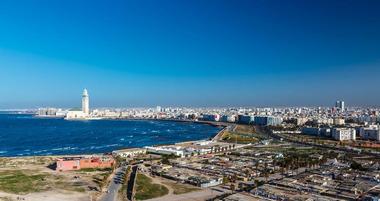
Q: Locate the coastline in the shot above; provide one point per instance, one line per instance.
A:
(211, 123)
(221, 125)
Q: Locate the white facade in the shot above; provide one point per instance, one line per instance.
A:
(339, 121)
(343, 134)
(177, 151)
(76, 114)
(81, 113)
(127, 153)
(370, 133)
(85, 102)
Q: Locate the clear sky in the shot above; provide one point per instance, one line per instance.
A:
(132, 53)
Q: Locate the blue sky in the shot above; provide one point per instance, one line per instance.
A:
(189, 53)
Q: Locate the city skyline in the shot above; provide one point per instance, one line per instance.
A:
(195, 54)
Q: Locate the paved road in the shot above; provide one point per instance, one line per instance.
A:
(115, 185)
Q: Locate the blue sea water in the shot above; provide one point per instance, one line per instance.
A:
(26, 135)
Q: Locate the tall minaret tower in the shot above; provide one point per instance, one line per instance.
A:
(85, 102)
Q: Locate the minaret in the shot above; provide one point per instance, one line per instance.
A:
(85, 102)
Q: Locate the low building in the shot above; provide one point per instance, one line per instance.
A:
(76, 113)
(343, 134)
(268, 120)
(204, 182)
(166, 150)
(47, 112)
(228, 118)
(210, 117)
(246, 119)
(316, 131)
(301, 121)
(77, 163)
(129, 153)
(339, 121)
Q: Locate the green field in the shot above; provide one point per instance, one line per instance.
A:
(145, 189)
(17, 181)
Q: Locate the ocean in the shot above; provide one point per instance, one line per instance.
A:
(27, 135)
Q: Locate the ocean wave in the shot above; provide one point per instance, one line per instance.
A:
(64, 148)
(40, 151)
(104, 146)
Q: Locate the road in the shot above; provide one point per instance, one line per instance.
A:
(115, 185)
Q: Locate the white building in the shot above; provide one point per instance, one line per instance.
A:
(339, 121)
(128, 153)
(370, 133)
(343, 134)
(301, 121)
(158, 109)
(76, 113)
(166, 150)
(47, 111)
(83, 113)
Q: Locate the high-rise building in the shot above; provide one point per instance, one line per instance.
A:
(158, 109)
(340, 105)
(85, 102)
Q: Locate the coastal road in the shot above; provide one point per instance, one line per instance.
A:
(115, 185)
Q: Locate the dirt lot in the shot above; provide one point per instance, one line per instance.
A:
(34, 178)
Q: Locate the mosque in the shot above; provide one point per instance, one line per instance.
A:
(83, 113)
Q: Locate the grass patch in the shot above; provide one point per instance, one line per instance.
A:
(69, 186)
(145, 189)
(17, 181)
(100, 177)
(245, 129)
(95, 170)
(124, 187)
(181, 188)
(240, 138)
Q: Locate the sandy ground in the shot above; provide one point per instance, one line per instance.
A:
(48, 196)
(61, 192)
(192, 196)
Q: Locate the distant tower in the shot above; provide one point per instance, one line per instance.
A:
(85, 102)
(158, 109)
(340, 105)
